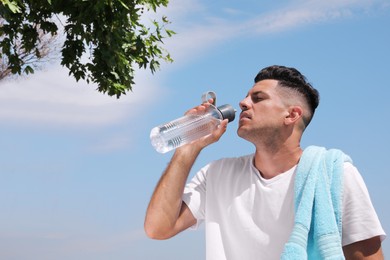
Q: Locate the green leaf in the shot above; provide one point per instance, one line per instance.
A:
(13, 6)
(170, 32)
(124, 5)
(28, 70)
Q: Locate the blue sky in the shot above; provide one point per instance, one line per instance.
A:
(77, 168)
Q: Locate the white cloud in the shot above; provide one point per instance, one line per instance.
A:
(53, 98)
(204, 34)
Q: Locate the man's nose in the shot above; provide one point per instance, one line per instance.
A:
(244, 104)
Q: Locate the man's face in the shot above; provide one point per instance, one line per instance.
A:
(263, 111)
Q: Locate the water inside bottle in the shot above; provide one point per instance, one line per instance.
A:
(184, 130)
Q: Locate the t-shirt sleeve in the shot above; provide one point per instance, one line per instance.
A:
(360, 220)
(195, 194)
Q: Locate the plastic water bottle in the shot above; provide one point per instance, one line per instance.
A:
(188, 128)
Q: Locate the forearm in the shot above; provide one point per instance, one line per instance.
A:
(165, 205)
(369, 249)
(166, 216)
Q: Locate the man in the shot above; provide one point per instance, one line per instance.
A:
(247, 203)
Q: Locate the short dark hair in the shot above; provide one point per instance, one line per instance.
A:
(293, 79)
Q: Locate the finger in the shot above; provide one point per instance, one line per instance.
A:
(198, 109)
(220, 130)
(210, 101)
(223, 126)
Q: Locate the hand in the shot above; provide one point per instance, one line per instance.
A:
(215, 135)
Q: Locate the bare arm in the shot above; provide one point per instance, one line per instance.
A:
(369, 249)
(167, 215)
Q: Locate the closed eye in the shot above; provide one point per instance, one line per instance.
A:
(256, 98)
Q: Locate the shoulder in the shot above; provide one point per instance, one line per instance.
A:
(352, 177)
(233, 163)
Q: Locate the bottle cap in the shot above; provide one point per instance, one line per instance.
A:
(228, 112)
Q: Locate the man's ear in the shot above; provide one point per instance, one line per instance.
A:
(294, 114)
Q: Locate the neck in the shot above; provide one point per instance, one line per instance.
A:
(274, 161)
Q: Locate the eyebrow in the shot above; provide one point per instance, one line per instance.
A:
(260, 93)
(256, 93)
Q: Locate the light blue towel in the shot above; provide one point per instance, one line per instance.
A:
(318, 206)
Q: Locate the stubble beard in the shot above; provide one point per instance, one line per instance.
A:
(265, 137)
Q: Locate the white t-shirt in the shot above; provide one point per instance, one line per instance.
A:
(249, 217)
